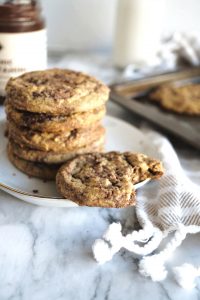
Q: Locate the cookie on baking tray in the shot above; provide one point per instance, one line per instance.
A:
(56, 91)
(105, 179)
(180, 99)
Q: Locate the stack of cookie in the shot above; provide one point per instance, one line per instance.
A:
(53, 115)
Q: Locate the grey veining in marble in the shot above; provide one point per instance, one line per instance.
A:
(45, 253)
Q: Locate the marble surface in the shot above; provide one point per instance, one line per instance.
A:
(45, 253)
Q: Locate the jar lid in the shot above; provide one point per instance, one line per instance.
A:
(26, 11)
(20, 17)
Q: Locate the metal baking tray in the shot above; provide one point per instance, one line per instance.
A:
(133, 95)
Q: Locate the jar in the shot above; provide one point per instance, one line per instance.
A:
(23, 44)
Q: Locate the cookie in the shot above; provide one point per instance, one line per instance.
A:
(105, 179)
(39, 170)
(57, 142)
(56, 91)
(54, 157)
(181, 99)
(51, 123)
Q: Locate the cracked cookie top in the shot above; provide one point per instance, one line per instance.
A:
(56, 91)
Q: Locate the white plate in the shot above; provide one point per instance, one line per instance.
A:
(120, 136)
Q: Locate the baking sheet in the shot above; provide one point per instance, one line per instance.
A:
(133, 95)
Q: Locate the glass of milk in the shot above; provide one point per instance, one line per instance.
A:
(139, 25)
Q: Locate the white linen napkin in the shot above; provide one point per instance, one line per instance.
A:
(180, 48)
(169, 205)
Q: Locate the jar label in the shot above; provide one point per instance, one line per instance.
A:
(20, 53)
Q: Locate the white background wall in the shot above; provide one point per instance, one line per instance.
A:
(183, 15)
(89, 24)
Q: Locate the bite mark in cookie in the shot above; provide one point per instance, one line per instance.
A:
(107, 179)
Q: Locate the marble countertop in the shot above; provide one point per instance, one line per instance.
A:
(45, 253)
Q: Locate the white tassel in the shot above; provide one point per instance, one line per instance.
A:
(186, 275)
(104, 249)
(101, 251)
(113, 241)
(153, 266)
(151, 240)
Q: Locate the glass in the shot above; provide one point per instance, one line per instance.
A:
(138, 31)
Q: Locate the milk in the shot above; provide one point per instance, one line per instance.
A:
(138, 30)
